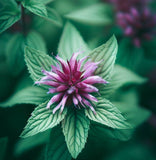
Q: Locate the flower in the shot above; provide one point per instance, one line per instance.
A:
(72, 81)
(137, 24)
(136, 19)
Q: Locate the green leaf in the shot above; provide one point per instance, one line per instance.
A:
(28, 95)
(120, 77)
(134, 114)
(29, 143)
(98, 15)
(75, 128)
(107, 114)
(128, 103)
(34, 40)
(9, 14)
(35, 6)
(106, 53)
(71, 41)
(41, 120)
(15, 50)
(46, 1)
(129, 55)
(3, 144)
(104, 133)
(37, 60)
(15, 53)
(53, 17)
(56, 148)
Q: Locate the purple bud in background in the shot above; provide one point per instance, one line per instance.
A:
(136, 19)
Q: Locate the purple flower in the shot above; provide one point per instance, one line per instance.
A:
(137, 24)
(135, 18)
(72, 82)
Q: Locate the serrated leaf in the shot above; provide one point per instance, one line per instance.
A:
(9, 14)
(3, 144)
(15, 50)
(56, 148)
(35, 61)
(34, 40)
(120, 77)
(106, 53)
(35, 6)
(29, 95)
(104, 133)
(53, 17)
(107, 114)
(75, 128)
(24, 145)
(98, 15)
(70, 42)
(41, 120)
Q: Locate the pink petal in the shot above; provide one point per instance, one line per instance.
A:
(50, 83)
(62, 103)
(62, 88)
(87, 103)
(64, 65)
(55, 98)
(75, 101)
(90, 97)
(94, 79)
(87, 87)
(73, 59)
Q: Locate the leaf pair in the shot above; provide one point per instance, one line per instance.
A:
(9, 14)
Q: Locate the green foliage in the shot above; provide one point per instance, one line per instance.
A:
(9, 14)
(129, 56)
(135, 151)
(35, 40)
(107, 114)
(75, 129)
(41, 120)
(104, 133)
(37, 60)
(15, 49)
(56, 148)
(35, 6)
(28, 95)
(15, 53)
(53, 17)
(120, 77)
(71, 41)
(29, 143)
(106, 53)
(98, 15)
(127, 103)
(150, 48)
(3, 144)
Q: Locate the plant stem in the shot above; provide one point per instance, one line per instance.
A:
(23, 24)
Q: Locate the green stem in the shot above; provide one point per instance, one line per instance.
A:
(23, 20)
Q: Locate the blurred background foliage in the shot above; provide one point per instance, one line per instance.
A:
(39, 24)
